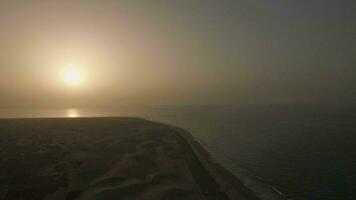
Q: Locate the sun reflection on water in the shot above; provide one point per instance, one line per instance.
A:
(73, 113)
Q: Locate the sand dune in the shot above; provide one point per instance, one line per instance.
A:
(108, 158)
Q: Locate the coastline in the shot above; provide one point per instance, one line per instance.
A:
(229, 183)
(109, 157)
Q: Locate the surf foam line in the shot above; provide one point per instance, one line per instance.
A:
(250, 180)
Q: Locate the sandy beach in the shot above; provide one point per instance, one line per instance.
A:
(108, 158)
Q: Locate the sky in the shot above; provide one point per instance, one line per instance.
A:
(183, 52)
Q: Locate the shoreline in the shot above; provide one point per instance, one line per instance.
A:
(109, 157)
(227, 182)
(230, 184)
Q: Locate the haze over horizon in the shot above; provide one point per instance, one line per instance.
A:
(177, 52)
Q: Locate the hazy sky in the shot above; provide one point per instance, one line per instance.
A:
(178, 52)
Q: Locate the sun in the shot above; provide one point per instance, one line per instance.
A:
(72, 76)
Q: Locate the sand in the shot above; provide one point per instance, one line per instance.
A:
(108, 158)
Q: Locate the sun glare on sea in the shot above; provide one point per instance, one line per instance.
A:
(72, 113)
(72, 76)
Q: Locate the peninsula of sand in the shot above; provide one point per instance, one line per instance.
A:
(108, 158)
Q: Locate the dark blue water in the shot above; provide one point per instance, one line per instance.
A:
(307, 152)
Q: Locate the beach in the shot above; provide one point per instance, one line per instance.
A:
(108, 158)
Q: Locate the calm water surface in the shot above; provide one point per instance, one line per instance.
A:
(307, 152)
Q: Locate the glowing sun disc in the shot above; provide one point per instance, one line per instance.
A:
(72, 76)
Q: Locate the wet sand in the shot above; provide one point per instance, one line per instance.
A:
(108, 158)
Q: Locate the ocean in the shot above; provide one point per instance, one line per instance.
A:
(303, 151)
